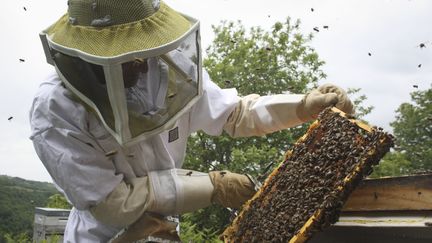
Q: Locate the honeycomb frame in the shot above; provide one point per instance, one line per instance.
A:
(328, 209)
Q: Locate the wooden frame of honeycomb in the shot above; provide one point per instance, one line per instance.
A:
(306, 192)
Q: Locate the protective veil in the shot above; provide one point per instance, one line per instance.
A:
(135, 94)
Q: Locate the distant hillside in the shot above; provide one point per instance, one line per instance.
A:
(18, 198)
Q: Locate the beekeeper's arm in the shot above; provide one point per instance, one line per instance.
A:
(259, 115)
(128, 201)
(90, 181)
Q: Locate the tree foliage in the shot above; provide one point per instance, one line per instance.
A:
(413, 130)
(58, 201)
(189, 232)
(393, 164)
(18, 199)
(260, 62)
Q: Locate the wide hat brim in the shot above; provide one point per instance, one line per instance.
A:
(163, 27)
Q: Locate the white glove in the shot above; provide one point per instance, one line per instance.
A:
(319, 99)
(259, 115)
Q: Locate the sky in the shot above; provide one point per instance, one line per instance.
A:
(390, 30)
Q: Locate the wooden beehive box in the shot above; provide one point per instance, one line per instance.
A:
(307, 191)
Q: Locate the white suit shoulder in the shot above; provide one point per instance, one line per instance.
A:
(213, 109)
(54, 106)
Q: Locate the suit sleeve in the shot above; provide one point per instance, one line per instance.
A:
(213, 109)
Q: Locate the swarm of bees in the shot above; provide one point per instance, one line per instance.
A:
(307, 191)
(420, 45)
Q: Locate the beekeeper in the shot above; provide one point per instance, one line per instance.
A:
(111, 124)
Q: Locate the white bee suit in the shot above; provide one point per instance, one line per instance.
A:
(72, 143)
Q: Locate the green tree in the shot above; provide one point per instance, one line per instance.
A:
(58, 201)
(190, 233)
(18, 199)
(413, 130)
(19, 238)
(260, 62)
(393, 164)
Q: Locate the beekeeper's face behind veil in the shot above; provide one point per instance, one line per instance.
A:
(136, 63)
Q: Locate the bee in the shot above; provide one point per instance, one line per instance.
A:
(316, 29)
(10, 118)
(139, 60)
(419, 66)
(21, 60)
(189, 173)
(25, 9)
(111, 153)
(369, 54)
(350, 116)
(325, 26)
(415, 86)
(312, 9)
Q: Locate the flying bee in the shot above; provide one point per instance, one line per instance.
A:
(111, 153)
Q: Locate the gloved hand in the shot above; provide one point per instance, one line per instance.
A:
(231, 189)
(200, 190)
(149, 225)
(319, 99)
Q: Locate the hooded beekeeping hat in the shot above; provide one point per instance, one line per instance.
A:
(136, 63)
